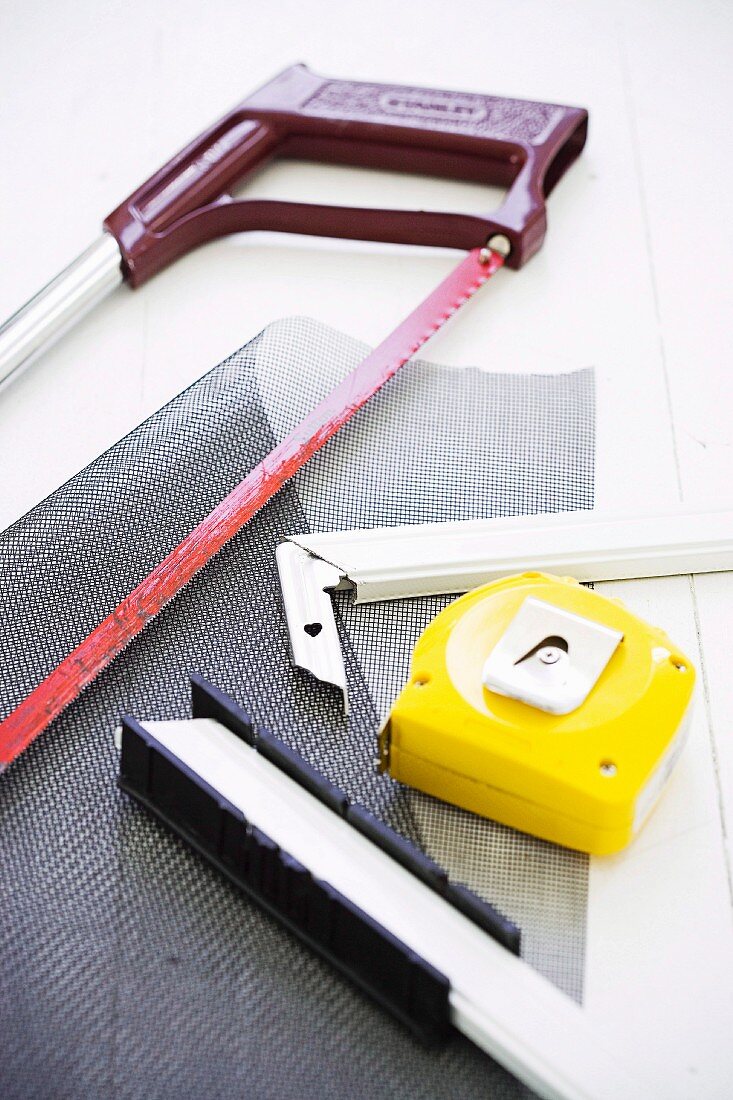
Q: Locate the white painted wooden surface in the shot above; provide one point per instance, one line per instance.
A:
(633, 280)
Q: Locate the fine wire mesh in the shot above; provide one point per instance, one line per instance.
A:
(456, 445)
(453, 444)
(542, 887)
(130, 968)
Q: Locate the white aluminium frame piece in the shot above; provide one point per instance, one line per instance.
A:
(497, 1000)
(306, 581)
(387, 563)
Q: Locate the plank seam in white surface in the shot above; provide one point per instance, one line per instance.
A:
(648, 248)
(705, 684)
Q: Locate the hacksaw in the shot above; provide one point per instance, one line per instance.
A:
(517, 144)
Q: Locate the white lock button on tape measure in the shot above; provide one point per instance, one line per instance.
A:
(543, 705)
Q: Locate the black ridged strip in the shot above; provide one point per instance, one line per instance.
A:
(290, 762)
(402, 982)
(208, 701)
(485, 916)
(396, 846)
(481, 912)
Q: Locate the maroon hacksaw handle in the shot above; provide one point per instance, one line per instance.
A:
(517, 144)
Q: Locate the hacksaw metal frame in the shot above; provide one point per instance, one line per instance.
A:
(388, 563)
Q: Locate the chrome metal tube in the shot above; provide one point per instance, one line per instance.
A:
(63, 301)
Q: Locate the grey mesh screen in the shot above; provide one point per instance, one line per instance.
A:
(131, 969)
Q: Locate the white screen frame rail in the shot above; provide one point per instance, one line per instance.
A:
(389, 563)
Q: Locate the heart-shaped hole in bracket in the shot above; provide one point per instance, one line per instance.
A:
(313, 629)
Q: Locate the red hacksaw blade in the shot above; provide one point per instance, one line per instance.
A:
(99, 648)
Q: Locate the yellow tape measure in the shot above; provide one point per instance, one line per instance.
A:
(543, 705)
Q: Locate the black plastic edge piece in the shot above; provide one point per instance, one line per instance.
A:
(485, 916)
(134, 755)
(396, 846)
(293, 764)
(208, 701)
(375, 960)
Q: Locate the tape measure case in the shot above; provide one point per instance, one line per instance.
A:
(586, 775)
